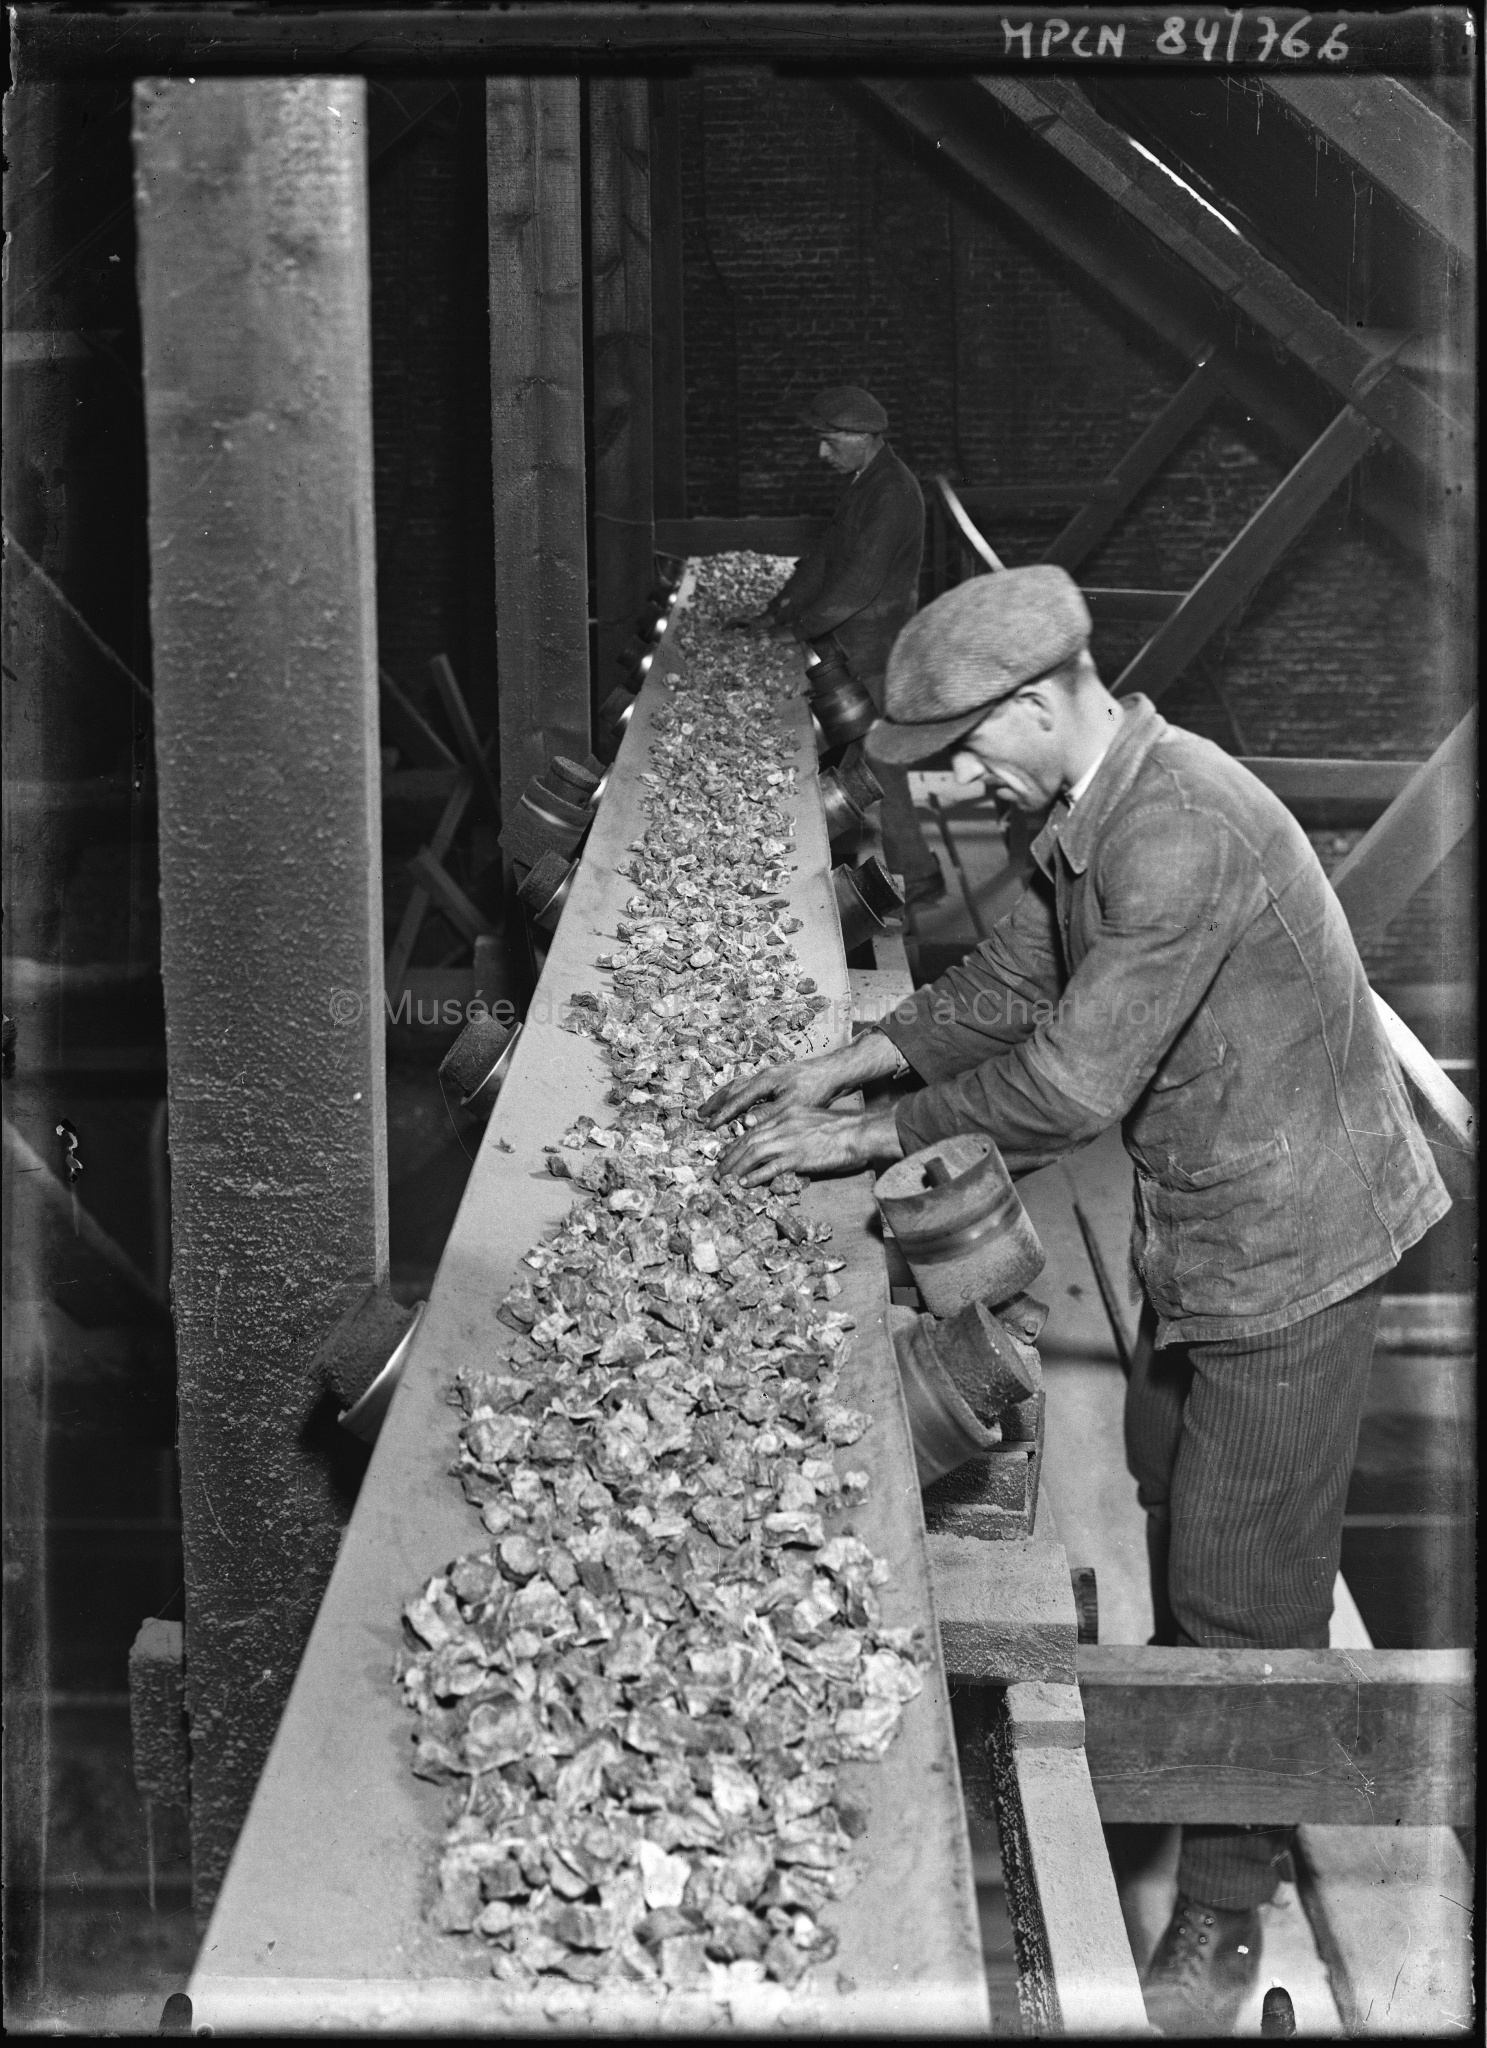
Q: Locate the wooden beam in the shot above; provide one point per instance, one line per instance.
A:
(1118, 606)
(668, 351)
(1447, 1104)
(1435, 810)
(416, 909)
(1058, 112)
(411, 729)
(1301, 779)
(783, 536)
(1190, 403)
(974, 150)
(1398, 141)
(1250, 556)
(1074, 1965)
(448, 40)
(452, 697)
(449, 896)
(1265, 1737)
(620, 299)
(537, 426)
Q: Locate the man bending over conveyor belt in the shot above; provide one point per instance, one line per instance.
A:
(858, 585)
(1178, 964)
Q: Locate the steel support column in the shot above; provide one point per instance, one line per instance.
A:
(254, 294)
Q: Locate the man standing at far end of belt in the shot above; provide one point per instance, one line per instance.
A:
(859, 585)
(1178, 965)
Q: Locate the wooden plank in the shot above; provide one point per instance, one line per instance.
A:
(472, 752)
(1435, 809)
(537, 425)
(1397, 140)
(1370, 1737)
(785, 536)
(1252, 553)
(1303, 779)
(1391, 1909)
(321, 1920)
(450, 897)
(620, 325)
(874, 993)
(1449, 1116)
(668, 344)
(416, 909)
(1059, 113)
(1076, 1974)
(1190, 403)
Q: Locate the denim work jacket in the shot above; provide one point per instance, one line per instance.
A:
(860, 582)
(1179, 963)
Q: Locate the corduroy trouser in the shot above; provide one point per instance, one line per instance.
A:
(1242, 1450)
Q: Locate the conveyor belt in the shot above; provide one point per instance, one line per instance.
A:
(320, 1924)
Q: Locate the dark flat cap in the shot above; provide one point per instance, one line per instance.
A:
(969, 649)
(845, 409)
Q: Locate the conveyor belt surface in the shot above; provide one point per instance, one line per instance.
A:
(321, 1924)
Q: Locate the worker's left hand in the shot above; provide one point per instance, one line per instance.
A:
(796, 1139)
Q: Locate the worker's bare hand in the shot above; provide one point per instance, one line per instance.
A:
(805, 1084)
(798, 1139)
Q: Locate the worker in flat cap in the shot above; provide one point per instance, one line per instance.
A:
(1180, 966)
(859, 585)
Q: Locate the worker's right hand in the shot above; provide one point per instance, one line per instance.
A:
(804, 1084)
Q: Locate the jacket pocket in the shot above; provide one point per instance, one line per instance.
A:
(1224, 1239)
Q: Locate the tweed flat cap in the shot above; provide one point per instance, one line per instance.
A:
(845, 409)
(969, 649)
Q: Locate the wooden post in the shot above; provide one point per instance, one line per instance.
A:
(620, 258)
(1189, 404)
(537, 415)
(255, 311)
(668, 357)
(1250, 556)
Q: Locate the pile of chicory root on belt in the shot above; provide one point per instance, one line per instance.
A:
(642, 1679)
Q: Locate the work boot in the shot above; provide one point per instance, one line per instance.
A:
(1205, 1967)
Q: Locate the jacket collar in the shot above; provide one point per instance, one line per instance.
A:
(1076, 830)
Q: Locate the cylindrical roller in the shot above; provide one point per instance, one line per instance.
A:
(944, 1430)
(617, 710)
(859, 784)
(545, 890)
(572, 781)
(526, 836)
(477, 1061)
(843, 818)
(364, 1417)
(991, 1369)
(556, 808)
(866, 897)
(844, 711)
(967, 1238)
